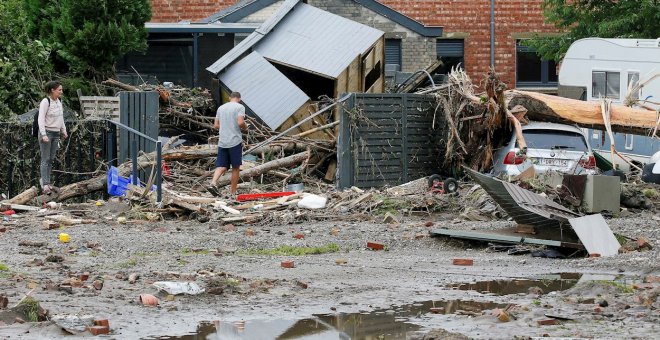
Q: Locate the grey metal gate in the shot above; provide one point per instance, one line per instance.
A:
(389, 139)
(139, 111)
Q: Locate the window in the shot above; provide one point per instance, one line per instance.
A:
(629, 142)
(392, 54)
(554, 140)
(633, 79)
(531, 70)
(450, 52)
(605, 84)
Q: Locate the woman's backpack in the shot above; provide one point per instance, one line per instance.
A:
(35, 121)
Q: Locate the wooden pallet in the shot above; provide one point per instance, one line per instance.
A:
(100, 107)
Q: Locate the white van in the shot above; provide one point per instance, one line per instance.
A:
(596, 67)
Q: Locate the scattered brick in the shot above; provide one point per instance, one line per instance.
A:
(428, 224)
(250, 232)
(547, 322)
(463, 262)
(437, 310)
(375, 246)
(340, 261)
(287, 264)
(102, 322)
(594, 255)
(98, 330)
(302, 285)
(299, 236)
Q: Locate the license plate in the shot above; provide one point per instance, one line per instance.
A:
(553, 162)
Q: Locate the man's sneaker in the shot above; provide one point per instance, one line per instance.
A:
(213, 190)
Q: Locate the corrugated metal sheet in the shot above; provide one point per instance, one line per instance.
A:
(524, 206)
(264, 90)
(246, 44)
(318, 41)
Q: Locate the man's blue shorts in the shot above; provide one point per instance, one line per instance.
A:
(227, 156)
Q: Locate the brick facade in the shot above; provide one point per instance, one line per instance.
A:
(471, 19)
(186, 10)
(468, 19)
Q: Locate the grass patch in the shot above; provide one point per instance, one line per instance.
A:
(4, 267)
(188, 252)
(622, 239)
(623, 288)
(130, 263)
(650, 193)
(293, 251)
(393, 206)
(536, 303)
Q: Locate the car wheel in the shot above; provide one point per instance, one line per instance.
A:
(434, 181)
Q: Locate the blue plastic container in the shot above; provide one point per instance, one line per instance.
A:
(117, 184)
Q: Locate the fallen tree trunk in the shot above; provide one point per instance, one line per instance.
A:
(23, 197)
(553, 109)
(263, 168)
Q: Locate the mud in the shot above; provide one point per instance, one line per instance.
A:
(413, 275)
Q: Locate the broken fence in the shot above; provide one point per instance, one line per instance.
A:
(389, 139)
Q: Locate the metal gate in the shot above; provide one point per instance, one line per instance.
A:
(389, 139)
(139, 111)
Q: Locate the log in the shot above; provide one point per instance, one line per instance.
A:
(23, 197)
(118, 84)
(263, 168)
(309, 132)
(553, 109)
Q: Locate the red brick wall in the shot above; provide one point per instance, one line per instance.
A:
(466, 16)
(473, 17)
(190, 10)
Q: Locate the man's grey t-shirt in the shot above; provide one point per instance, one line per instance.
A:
(230, 132)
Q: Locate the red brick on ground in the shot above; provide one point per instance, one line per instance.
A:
(375, 246)
(463, 262)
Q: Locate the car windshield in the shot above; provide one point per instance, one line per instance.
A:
(555, 140)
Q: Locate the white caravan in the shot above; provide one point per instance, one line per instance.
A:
(596, 67)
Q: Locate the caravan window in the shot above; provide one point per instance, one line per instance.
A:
(633, 79)
(605, 84)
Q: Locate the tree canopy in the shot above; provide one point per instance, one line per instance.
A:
(24, 62)
(578, 19)
(88, 36)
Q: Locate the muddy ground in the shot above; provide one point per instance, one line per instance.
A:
(251, 287)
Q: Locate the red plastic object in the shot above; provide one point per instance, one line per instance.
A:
(252, 197)
(8, 212)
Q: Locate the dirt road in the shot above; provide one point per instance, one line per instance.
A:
(400, 292)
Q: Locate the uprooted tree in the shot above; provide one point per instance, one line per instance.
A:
(479, 124)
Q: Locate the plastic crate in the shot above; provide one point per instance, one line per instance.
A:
(117, 184)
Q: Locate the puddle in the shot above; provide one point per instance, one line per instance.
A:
(548, 283)
(386, 324)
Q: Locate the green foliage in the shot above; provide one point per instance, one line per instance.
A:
(588, 18)
(294, 251)
(90, 35)
(24, 65)
(3, 267)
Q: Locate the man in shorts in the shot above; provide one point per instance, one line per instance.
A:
(229, 120)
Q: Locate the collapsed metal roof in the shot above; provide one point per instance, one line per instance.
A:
(524, 206)
(312, 39)
(264, 90)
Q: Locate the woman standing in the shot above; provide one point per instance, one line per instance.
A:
(51, 128)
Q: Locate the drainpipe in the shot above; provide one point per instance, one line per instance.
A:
(492, 34)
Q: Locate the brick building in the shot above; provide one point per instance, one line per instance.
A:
(417, 32)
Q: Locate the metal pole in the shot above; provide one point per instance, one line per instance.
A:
(159, 170)
(492, 34)
(134, 151)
